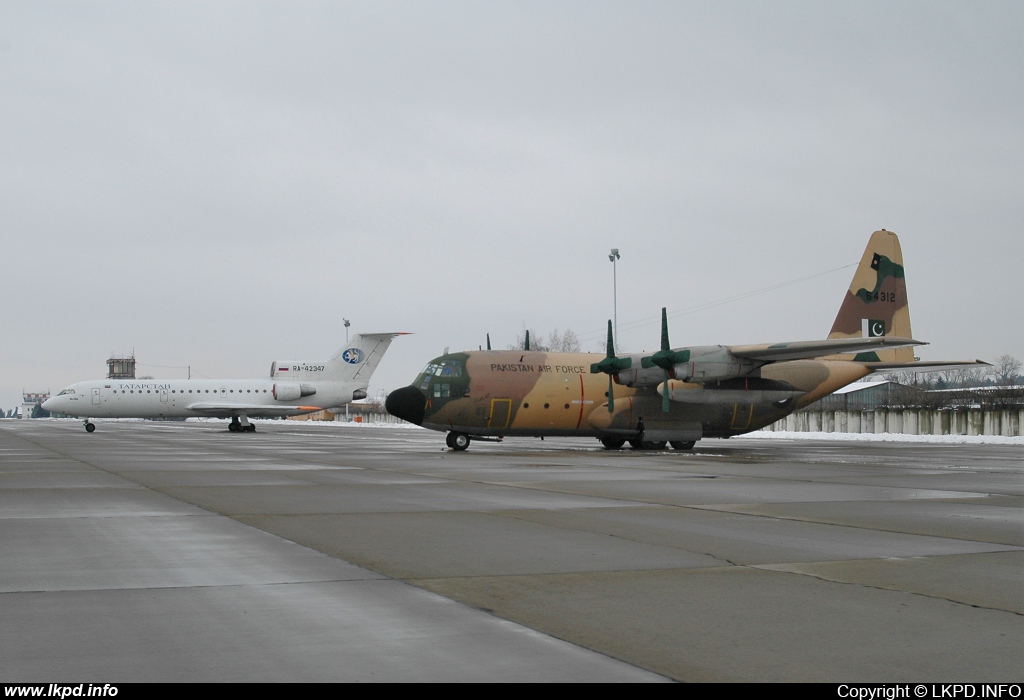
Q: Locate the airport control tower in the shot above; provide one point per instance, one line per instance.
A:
(29, 400)
(121, 367)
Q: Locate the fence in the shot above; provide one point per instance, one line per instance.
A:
(356, 416)
(908, 421)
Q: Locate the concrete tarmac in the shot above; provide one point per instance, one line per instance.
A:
(182, 552)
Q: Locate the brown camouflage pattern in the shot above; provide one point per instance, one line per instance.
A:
(524, 393)
(878, 292)
(538, 393)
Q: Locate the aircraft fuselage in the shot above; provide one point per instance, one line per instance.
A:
(508, 393)
(182, 398)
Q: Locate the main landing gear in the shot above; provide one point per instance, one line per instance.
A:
(457, 441)
(89, 427)
(241, 425)
(611, 443)
(647, 445)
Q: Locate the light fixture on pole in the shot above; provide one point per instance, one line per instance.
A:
(613, 256)
(347, 324)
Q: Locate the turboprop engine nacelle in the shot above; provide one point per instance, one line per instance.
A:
(290, 391)
(713, 363)
(640, 376)
(707, 363)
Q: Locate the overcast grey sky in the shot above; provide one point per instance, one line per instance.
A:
(218, 184)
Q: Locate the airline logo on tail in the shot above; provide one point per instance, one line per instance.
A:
(353, 356)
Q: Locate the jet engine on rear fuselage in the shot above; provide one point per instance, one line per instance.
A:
(290, 391)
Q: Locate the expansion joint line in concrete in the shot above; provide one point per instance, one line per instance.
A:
(882, 588)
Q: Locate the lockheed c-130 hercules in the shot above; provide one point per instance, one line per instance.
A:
(675, 395)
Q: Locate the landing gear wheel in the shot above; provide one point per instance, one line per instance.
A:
(89, 427)
(682, 444)
(251, 428)
(612, 443)
(458, 441)
(234, 426)
(635, 444)
(647, 445)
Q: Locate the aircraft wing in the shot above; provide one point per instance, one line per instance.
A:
(930, 366)
(251, 410)
(807, 349)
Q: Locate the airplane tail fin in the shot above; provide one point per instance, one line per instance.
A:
(876, 303)
(354, 362)
(357, 360)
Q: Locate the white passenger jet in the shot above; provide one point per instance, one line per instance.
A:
(293, 388)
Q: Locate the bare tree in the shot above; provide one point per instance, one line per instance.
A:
(918, 380)
(964, 377)
(563, 342)
(1006, 370)
(535, 341)
(556, 342)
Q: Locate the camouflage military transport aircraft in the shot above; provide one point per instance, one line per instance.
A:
(674, 396)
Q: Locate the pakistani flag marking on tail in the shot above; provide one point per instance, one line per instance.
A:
(872, 328)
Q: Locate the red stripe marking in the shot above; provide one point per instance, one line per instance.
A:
(580, 421)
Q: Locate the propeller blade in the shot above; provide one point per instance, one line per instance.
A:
(526, 345)
(488, 341)
(611, 365)
(666, 358)
(664, 396)
(665, 346)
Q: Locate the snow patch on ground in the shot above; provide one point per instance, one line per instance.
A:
(887, 437)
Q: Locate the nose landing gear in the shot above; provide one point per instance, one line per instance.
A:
(89, 427)
(457, 441)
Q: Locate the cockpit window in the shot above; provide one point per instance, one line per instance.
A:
(66, 391)
(449, 368)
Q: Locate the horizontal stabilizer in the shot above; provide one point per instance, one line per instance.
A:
(806, 349)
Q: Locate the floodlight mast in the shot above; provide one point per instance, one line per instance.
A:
(614, 256)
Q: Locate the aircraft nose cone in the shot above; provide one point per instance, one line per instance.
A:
(407, 403)
(50, 404)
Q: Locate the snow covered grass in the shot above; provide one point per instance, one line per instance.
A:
(759, 434)
(353, 424)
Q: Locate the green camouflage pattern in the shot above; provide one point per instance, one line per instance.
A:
(712, 391)
(877, 295)
(500, 392)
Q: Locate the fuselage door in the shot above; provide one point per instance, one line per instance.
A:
(223, 392)
(501, 409)
(163, 396)
(96, 396)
